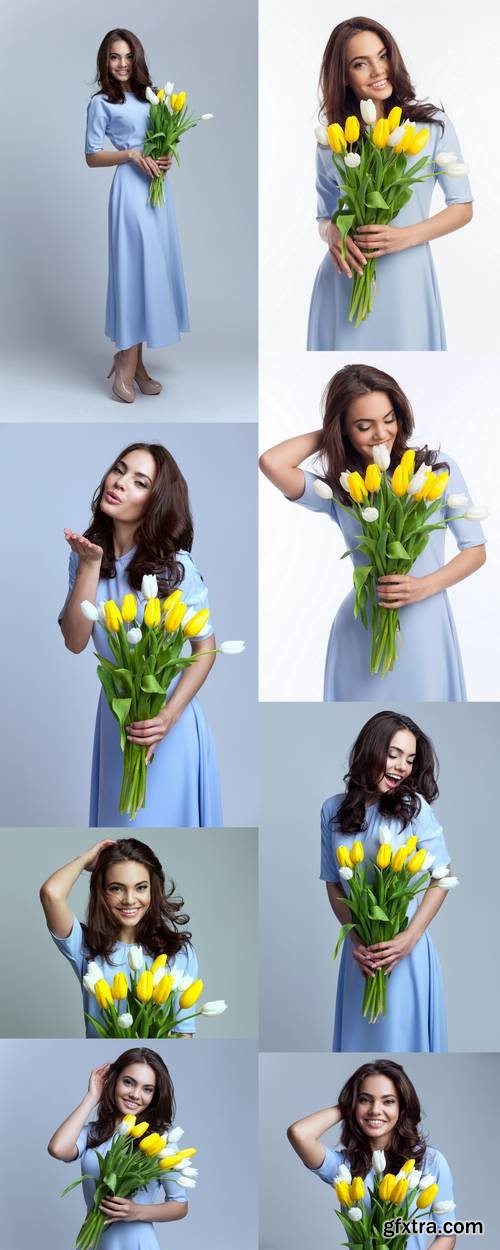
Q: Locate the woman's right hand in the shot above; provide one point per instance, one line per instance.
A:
(88, 552)
(145, 163)
(91, 856)
(97, 1081)
(363, 957)
(354, 256)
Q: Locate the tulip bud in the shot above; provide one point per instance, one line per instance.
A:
(169, 86)
(448, 883)
(178, 101)
(150, 96)
(144, 987)
(381, 456)
(119, 988)
(185, 1182)
(343, 1193)
(139, 1129)
(411, 843)
(414, 1179)
(386, 1187)
(187, 1171)
(408, 461)
(442, 1208)
(399, 482)
(344, 481)
(381, 132)
(368, 112)
(135, 958)
(427, 1180)
(102, 991)
(215, 1008)
(89, 610)
(394, 117)
(437, 486)
(344, 857)
(196, 623)
(167, 1162)
(175, 1134)
(457, 170)
(93, 974)
(419, 479)
(384, 834)
(357, 1189)
(126, 1020)
(396, 136)
(112, 616)
(457, 501)
(163, 989)
(352, 159)
(369, 514)
(322, 489)
(418, 141)
(336, 138)
(355, 1214)
(127, 1124)
(232, 646)
(129, 607)
(415, 864)
(149, 586)
(346, 874)
(134, 636)
(357, 852)
(399, 1191)
(152, 613)
(190, 996)
(356, 487)
(321, 135)
(428, 862)
(378, 1162)
(445, 158)
(373, 478)
(476, 514)
(161, 94)
(399, 859)
(441, 871)
(343, 1174)
(408, 1167)
(384, 856)
(426, 1198)
(351, 129)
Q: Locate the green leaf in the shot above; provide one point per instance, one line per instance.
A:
(342, 935)
(344, 223)
(374, 199)
(360, 575)
(125, 677)
(121, 709)
(377, 913)
(396, 551)
(77, 1182)
(107, 683)
(150, 685)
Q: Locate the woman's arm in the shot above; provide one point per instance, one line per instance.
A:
(396, 590)
(126, 1210)
(62, 1144)
(360, 953)
(304, 1135)
(443, 1243)
(382, 240)
(75, 627)
(147, 733)
(55, 890)
(102, 160)
(280, 463)
(387, 954)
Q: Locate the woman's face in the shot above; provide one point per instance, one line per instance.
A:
(134, 1089)
(120, 61)
(377, 1110)
(371, 420)
(368, 67)
(400, 760)
(127, 891)
(128, 486)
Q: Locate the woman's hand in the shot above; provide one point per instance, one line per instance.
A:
(97, 1081)
(381, 240)
(363, 957)
(120, 1209)
(145, 163)
(396, 590)
(91, 856)
(165, 162)
(88, 552)
(148, 733)
(387, 955)
(354, 257)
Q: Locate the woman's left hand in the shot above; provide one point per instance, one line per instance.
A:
(120, 1209)
(396, 590)
(387, 954)
(381, 240)
(165, 162)
(148, 733)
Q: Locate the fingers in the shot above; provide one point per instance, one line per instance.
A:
(354, 251)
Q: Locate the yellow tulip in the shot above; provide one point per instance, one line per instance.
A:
(102, 991)
(408, 461)
(408, 1166)
(178, 101)
(386, 1187)
(159, 962)
(415, 863)
(418, 141)
(384, 855)
(112, 615)
(129, 607)
(188, 1152)
(404, 143)
(357, 853)
(191, 995)
(175, 617)
(152, 613)
(356, 487)
(129, 1120)
(394, 118)
(336, 138)
(399, 859)
(411, 843)
(424, 491)
(351, 129)
(437, 485)
(373, 478)
(161, 93)
(399, 482)
(381, 132)
(196, 623)
(150, 1144)
(399, 1192)
(162, 989)
(144, 987)
(119, 988)
(344, 857)
(357, 1190)
(139, 1129)
(343, 1193)
(427, 1196)
(169, 1162)
(171, 600)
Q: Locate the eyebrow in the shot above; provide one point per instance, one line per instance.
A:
(363, 56)
(136, 472)
(386, 414)
(122, 883)
(400, 751)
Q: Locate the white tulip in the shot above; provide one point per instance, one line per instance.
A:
(191, 1172)
(89, 610)
(124, 1129)
(232, 646)
(457, 501)
(355, 1214)
(321, 135)
(185, 982)
(396, 136)
(384, 835)
(344, 480)
(134, 636)
(346, 873)
(401, 1176)
(448, 883)
(368, 112)
(343, 1174)
(168, 88)
(322, 489)
(378, 1162)
(100, 610)
(93, 974)
(185, 1182)
(381, 456)
(414, 1179)
(457, 170)
(352, 159)
(175, 1135)
(149, 586)
(446, 158)
(476, 514)
(441, 871)
(418, 479)
(157, 976)
(177, 974)
(428, 862)
(428, 1179)
(126, 1020)
(441, 1208)
(206, 117)
(136, 958)
(151, 97)
(215, 1008)
(369, 514)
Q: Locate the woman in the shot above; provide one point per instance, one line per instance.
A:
(141, 523)
(130, 904)
(364, 408)
(146, 299)
(362, 61)
(137, 1083)
(379, 1110)
(391, 781)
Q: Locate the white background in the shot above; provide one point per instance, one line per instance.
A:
(448, 63)
(302, 578)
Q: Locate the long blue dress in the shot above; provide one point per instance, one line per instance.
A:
(146, 298)
(407, 313)
(429, 665)
(416, 1019)
(138, 1234)
(434, 1162)
(182, 781)
(74, 949)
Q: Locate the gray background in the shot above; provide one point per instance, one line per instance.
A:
(460, 1104)
(216, 1095)
(49, 693)
(217, 878)
(54, 211)
(304, 750)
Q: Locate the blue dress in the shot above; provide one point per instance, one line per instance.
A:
(146, 299)
(429, 665)
(415, 1019)
(406, 314)
(434, 1162)
(138, 1234)
(182, 781)
(74, 950)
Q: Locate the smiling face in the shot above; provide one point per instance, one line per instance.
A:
(128, 486)
(120, 62)
(377, 1110)
(127, 891)
(368, 68)
(134, 1089)
(371, 420)
(400, 760)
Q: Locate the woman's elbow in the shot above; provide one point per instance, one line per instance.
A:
(267, 464)
(467, 213)
(293, 1134)
(480, 557)
(55, 1151)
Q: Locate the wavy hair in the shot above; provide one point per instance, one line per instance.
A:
(164, 530)
(367, 763)
(161, 1110)
(139, 75)
(335, 451)
(407, 1141)
(159, 931)
(337, 99)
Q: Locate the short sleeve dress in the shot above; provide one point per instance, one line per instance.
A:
(407, 313)
(146, 297)
(434, 1163)
(429, 665)
(74, 950)
(182, 780)
(416, 1018)
(138, 1234)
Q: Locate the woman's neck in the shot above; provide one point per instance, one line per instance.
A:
(123, 538)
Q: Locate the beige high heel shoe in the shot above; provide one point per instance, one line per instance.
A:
(147, 385)
(121, 388)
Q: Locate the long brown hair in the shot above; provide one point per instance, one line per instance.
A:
(139, 74)
(407, 1141)
(160, 928)
(165, 528)
(367, 763)
(335, 451)
(337, 99)
(161, 1111)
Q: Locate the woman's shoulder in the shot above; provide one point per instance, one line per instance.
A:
(331, 806)
(435, 1160)
(98, 103)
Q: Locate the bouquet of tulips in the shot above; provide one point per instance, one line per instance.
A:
(145, 663)
(168, 119)
(379, 896)
(395, 517)
(376, 180)
(404, 1195)
(132, 1162)
(146, 1006)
